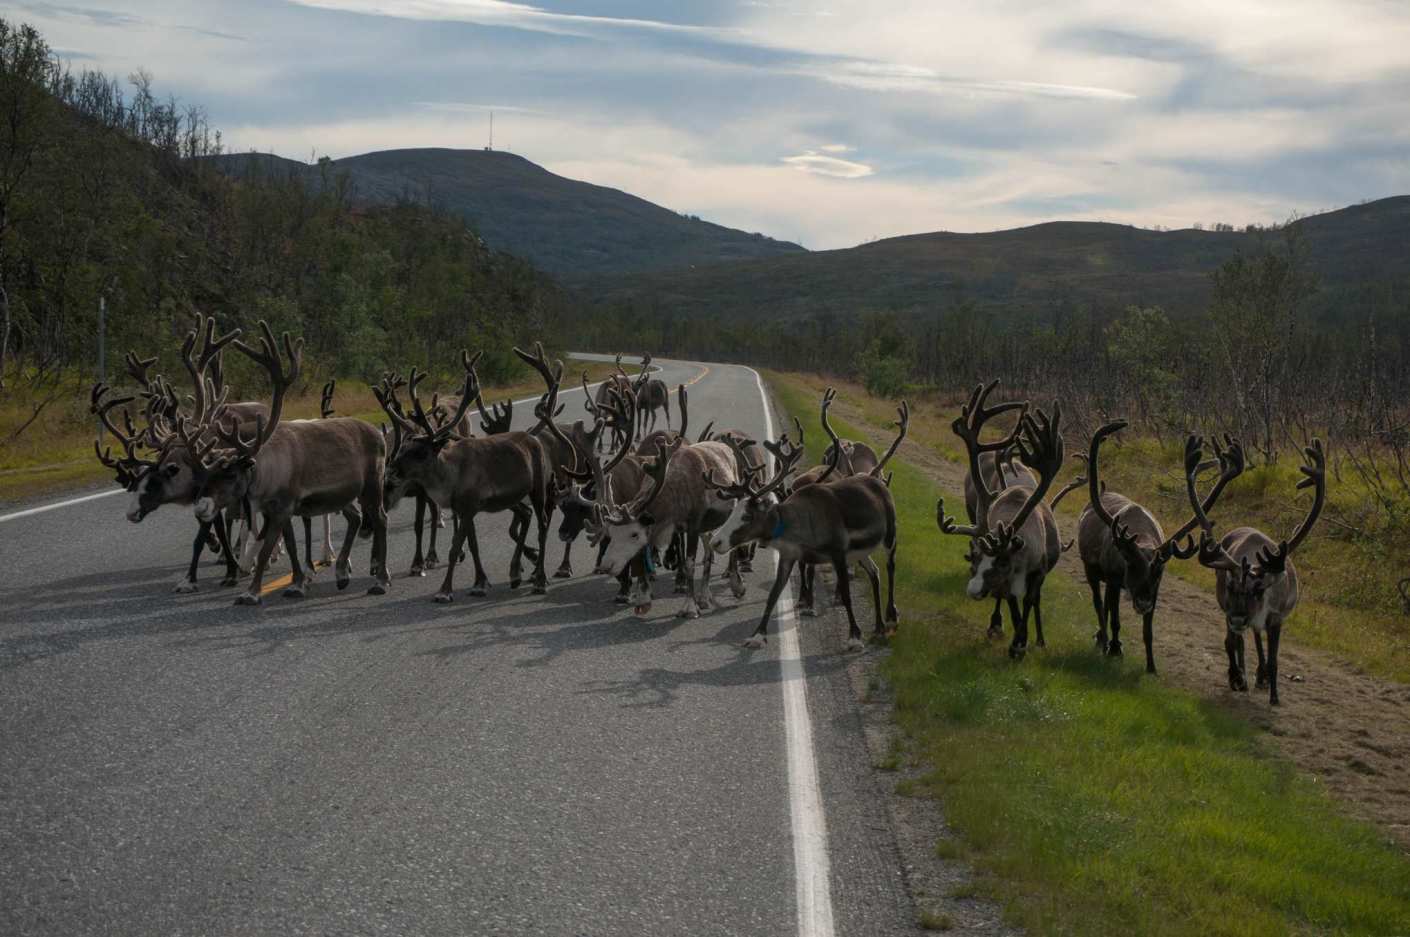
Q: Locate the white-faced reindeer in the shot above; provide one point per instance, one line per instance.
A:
(505, 472)
(297, 469)
(841, 522)
(1255, 579)
(677, 500)
(1123, 546)
(1014, 543)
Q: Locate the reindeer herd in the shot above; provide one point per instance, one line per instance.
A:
(649, 498)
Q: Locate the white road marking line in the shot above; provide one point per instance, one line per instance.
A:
(810, 861)
(59, 504)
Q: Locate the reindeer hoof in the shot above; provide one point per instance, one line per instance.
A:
(690, 611)
(1237, 683)
(738, 589)
(343, 582)
(540, 588)
(620, 600)
(1260, 680)
(431, 562)
(855, 644)
(184, 587)
(745, 566)
(993, 633)
(563, 572)
(417, 571)
(229, 581)
(294, 592)
(443, 598)
(516, 582)
(807, 612)
(1113, 649)
(1017, 653)
(1273, 700)
(247, 598)
(377, 588)
(756, 642)
(480, 592)
(681, 588)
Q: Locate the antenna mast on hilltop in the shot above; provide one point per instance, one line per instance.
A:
(491, 146)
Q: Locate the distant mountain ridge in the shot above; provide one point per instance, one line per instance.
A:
(566, 227)
(1022, 269)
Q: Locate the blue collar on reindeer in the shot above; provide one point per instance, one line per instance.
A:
(778, 528)
(648, 560)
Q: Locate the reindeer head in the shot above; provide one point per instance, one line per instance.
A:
(1254, 571)
(998, 560)
(754, 516)
(229, 471)
(630, 527)
(414, 451)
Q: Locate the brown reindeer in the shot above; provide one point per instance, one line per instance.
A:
(652, 394)
(506, 472)
(297, 469)
(1255, 579)
(841, 522)
(1014, 541)
(1124, 548)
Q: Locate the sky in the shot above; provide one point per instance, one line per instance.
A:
(825, 122)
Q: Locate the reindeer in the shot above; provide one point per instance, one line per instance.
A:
(676, 501)
(842, 522)
(664, 438)
(1123, 546)
(1014, 541)
(506, 472)
(578, 492)
(1255, 579)
(175, 474)
(617, 383)
(651, 395)
(325, 411)
(299, 468)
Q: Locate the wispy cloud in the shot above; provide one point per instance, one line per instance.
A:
(465, 107)
(822, 165)
(512, 15)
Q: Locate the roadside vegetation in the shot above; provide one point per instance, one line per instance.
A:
(1094, 800)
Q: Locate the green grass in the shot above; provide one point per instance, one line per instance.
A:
(1093, 800)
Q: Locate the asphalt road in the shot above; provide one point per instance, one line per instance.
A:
(347, 764)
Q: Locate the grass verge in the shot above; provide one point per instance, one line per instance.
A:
(56, 453)
(1093, 800)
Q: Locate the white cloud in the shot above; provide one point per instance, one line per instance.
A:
(828, 165)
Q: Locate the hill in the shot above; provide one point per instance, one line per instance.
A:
(1024, 269)
(564, 226)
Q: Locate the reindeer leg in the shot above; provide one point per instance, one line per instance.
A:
(465, 533)
(874, 577)
(805, 591)
(188, 583)
(703, 601)
(1260, 676)
(295, 589)
(1018, 646)
(733, 573)
(1113, 610)
(251, 596)
(519, 531)
(1234, 647)
(232, 567)
(565, 568)
(1148, 632)
(342, 569)
(457, 542)
(1094, 582)
(893, 617)
(844, 593)
(328, 555)
(308, 546)
(746, 558)
(691, 608)
(683, 575)
(418, 563)
(381, 574)
(996, 621)
(1033, 599)
(1275, 634)
(641, 601)
(761, 634)
(624, 585)
(543, 516)
(437, 523)
(601, 552)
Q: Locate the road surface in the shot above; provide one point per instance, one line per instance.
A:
(348, 764)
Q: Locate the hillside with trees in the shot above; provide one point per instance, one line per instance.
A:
(108, 196)
(564, 226)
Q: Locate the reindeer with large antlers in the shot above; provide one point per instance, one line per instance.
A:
(296, 469)
(1013, 543)
(1255, 579)
(840, 522)
(178, 438)
(506, 472)
(619, 384)
(578, 493)
(1123, 546)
